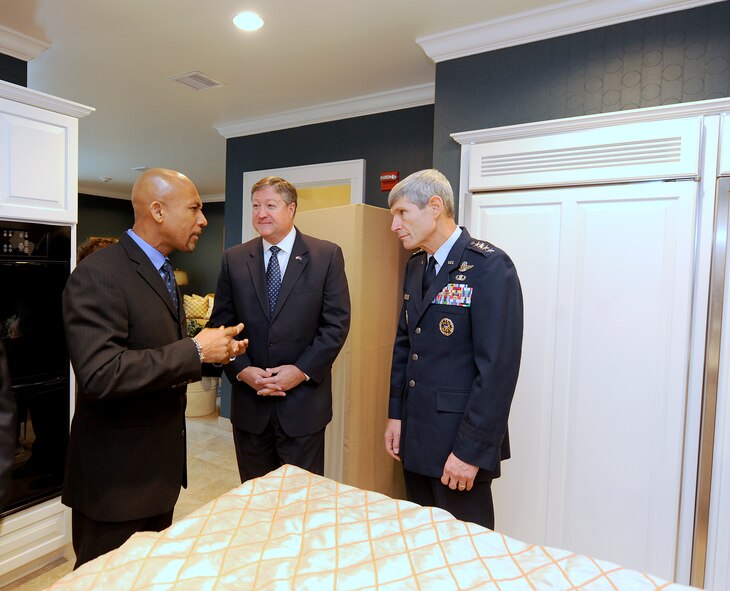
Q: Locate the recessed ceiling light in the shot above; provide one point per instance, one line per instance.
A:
(248, 21)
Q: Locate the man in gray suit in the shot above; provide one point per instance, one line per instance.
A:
(291, 293)
(125, 328)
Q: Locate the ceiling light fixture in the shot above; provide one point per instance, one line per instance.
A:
(248, 21)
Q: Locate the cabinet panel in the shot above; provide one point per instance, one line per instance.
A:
(615, 153)
(614, 322)
(529, 230)
(38, 179)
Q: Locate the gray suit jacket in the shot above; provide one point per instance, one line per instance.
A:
(308, 328)
(126, 456)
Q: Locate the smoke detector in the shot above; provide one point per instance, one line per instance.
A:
(196, 80)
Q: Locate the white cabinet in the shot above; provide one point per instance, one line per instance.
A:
(38, 156)
(38, 183)
(610, 221)
(599, 410)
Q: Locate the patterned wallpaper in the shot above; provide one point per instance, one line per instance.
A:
(678, 57)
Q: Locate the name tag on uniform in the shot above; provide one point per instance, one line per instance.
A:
(454, 294)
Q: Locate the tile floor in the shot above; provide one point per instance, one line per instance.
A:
(212, 471)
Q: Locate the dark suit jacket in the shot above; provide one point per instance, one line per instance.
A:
(126, 456)
(456, 359)
(308, 328)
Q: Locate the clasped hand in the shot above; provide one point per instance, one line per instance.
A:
(218, 344)
(272, 381)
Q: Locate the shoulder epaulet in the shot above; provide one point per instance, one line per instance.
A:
(481, 246)
(419, 251)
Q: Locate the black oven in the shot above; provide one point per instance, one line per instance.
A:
(34, 267)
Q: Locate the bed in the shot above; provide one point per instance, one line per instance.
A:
(292, 529)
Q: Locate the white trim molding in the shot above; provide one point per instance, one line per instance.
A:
(522, 130)
(403, 98)
(572, 16)
(21, 94)
(94, 191)
(20, 46)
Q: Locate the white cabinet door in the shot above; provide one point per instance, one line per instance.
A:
(38, 164)
(598, 417)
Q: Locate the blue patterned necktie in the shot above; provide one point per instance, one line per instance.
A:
(273, 278)
(169, 277)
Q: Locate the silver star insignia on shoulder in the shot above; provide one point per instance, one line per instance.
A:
(483, 246)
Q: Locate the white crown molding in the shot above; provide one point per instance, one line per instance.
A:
(218, 198)
(561, 19)
(403, 98)
(21, 94)
(540, 128)
(94, 191)
(20, 46)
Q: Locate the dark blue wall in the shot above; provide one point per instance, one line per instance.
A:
(13, 70)
(398, 140)
(102, 216)
(678, 57)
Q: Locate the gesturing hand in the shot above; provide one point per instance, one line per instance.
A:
(215, 343)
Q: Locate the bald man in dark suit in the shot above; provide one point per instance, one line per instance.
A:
(125, 328)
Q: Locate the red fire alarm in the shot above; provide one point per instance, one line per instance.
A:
(388, 180)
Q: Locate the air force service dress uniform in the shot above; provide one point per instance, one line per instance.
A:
(456, 360)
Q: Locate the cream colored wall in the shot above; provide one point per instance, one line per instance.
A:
(310, 198)
(374, 263)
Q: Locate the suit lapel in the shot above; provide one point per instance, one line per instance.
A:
(298, 260)
(257, 272)
(147, 271)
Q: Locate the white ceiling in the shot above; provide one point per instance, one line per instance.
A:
(117, 56)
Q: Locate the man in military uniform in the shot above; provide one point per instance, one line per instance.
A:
(456, 355)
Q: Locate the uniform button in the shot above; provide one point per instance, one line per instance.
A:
(414, 357)
(272, 343)
(418, 330)
(412, 383)
(183, 432)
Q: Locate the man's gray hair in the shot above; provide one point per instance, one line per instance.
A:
(420, 186)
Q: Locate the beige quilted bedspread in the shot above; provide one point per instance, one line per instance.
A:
(294, 530)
